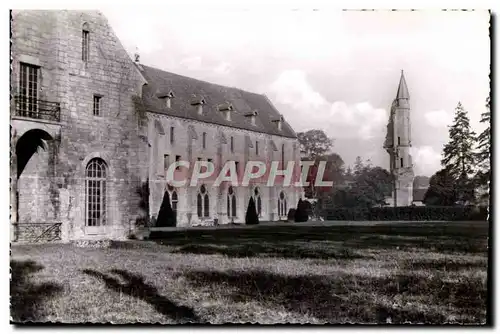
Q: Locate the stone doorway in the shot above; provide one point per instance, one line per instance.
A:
(33, 163)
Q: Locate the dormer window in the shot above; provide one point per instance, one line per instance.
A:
(198, 102)
(167, 98)
(279, 122)
(226, 109)
(253, 115)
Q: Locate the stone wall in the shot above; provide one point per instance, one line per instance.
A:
(53, 41)
(189, 146)
(52, 187)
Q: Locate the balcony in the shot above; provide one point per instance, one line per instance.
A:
(37, 109)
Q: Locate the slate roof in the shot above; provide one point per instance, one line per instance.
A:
(418, 194)
(161, 83)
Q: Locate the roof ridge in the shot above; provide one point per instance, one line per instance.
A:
(202, 81)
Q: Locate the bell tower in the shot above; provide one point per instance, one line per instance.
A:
(398, 145)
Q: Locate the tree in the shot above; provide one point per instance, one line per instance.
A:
(334, 172)
(251, 218)
(316, 146)
(458, 155)
(358, 166)
(166, 216)
(484, 152)
(441, 189)
(349, 175)
(314, 143)
(344, 198)
(370, 188)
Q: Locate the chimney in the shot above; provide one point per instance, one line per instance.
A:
(136, 56)
(137, 59)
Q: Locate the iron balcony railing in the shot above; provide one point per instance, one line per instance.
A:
(30, 107)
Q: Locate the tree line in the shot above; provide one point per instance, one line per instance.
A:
(463, 179)
(465, 174)
(362, 185)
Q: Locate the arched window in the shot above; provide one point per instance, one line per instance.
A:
(282, 210)
(231, 202)
(95, 192)
(174, 200)
(258, 201)
(203, 203)
(85, 42)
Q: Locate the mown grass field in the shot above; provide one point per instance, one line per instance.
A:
(419, 273)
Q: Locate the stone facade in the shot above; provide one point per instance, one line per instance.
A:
(53, 187)
(190, 149)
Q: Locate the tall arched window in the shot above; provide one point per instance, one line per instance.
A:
(174, 200)
(95, 192)
(231, 202)
(282, 205)
(85, 42)
(203, 203)
(258, 201)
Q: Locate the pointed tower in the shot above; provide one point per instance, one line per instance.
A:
(398, 145)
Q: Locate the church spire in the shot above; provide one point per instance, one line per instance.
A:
(402, 89)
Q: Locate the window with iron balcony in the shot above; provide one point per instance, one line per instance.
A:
(28, 102)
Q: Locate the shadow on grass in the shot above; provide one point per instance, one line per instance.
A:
(28, 298)
(137, 288)
(445, 265)
(448, 245)
(348, 298)
(442, 237)
(282, 250)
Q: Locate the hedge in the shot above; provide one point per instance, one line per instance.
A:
(410, 213)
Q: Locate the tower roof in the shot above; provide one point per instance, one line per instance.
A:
(402, 89)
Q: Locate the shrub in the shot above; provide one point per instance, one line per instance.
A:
(409, 213)
(296, 215)
(291, 215)
(251, 217)
(166, 216)
(308, 207)
(301, 213)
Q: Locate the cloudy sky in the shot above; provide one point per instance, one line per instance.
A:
(331, 70)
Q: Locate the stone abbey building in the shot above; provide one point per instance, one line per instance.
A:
(93, 133)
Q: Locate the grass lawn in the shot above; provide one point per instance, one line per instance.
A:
(411, 272)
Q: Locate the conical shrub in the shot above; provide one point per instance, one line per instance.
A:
(251, 217)
(166, 216)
